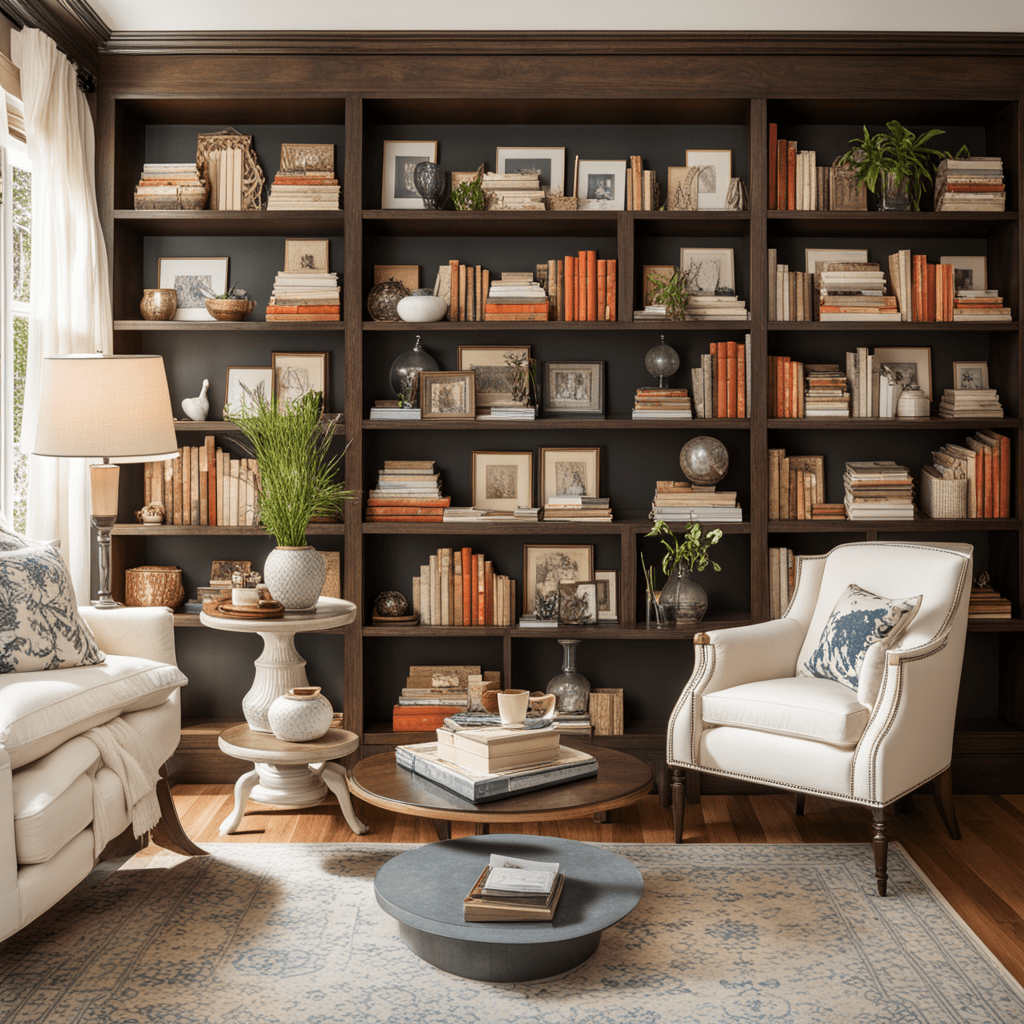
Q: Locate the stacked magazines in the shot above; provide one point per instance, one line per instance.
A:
(513, 889)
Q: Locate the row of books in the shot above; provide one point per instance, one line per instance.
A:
(969, 403)
(679, 501)
(721, 384)
(224, 167)
(986, 602)
(517, 190)
(305, 296)
(796, 486)
(642, 192)
(878, 490)
(516, 296)
(663, 403)
(577, 508)
(971, 185)
(460, 588)
(203, 487)
(790, 292)
(408, 490)
(796, 182)
(969, 480)
(781, 580)
(444, 689)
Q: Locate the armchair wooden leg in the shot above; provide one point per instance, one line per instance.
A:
(880, 846)
(801, 800)
(678, 802)
(943, 788)
(169, 832)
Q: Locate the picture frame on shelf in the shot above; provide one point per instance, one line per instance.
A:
(574, 388)
(400, 159)
(448, 394)
(493, 375)
(970, 376)
(547, 565)
(713, 270)
(502, 481)
(307, 157)
(307, 255)
(548, 161)
(601, 184)
(295, 373)
(244, 381)
(812, 257)
(660, 272)
(915, 362)
(607, 581)
(970, 273)
(577, 603)
(407, 274)
(194, 279)
(682, 188)
(221, 570)
(713, 177)
(570, 471)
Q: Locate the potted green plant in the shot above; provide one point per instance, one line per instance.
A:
(672, 292)
(683, 601)
(468, 195)
(297, 481)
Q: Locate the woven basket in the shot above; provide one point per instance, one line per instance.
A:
(150, 586)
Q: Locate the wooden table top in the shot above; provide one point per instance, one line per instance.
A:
(621, 780)
(245, 743)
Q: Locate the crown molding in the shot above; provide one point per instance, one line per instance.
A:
(72, 24)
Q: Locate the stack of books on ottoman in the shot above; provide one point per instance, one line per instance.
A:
(513, 889)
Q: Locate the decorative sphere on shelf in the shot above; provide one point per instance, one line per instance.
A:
(382, 302)
(662, 361)
(704, 461)
(406, 369)
(390, 604)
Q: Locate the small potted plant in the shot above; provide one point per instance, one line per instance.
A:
(683, 601)
(672, 292)
(468, 195)
(234, 304)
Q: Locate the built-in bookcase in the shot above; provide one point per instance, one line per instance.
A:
(598, 102)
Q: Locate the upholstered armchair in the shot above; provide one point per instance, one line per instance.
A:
(756, 707)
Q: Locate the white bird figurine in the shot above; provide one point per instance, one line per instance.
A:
(197, 408)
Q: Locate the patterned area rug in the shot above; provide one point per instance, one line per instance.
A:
(292, 934)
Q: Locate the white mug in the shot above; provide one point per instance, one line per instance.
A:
(245, 596)
(513, 705)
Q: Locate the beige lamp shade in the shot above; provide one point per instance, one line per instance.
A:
(95, 406)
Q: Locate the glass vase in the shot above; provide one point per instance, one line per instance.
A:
(571, 690)
(428, 178)
(655, 613)
(683, 600)
(894, 194)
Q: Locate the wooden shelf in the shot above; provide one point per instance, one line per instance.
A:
(230, 427)
(189, 326)
(923, 525)
(491, 224)
(828, 326)
(513, 529)
(900, 423)
(871, 223)
(219, 223)
(494, 325)
(560, 423)
(140, 530)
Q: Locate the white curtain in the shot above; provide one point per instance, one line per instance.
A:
(70, 290)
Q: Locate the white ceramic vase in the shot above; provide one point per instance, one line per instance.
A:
(422, 308)
(300, 714)
(295, 577)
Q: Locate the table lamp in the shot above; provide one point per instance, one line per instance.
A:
(109, 407)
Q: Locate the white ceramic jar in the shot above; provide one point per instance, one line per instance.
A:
(301, 714)
(422, 307)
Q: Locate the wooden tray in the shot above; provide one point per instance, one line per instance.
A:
(396, 620)
(269, 610)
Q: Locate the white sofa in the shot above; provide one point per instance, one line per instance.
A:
(59, 805)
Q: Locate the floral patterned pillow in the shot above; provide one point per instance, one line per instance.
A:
(40, 627)
(860, 629)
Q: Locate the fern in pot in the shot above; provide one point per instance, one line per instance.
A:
(298, 481)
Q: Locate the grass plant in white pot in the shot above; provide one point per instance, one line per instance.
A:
(298, 480)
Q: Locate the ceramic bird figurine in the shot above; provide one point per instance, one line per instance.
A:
(197, 408)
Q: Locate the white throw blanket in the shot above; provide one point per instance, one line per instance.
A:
(124, 752)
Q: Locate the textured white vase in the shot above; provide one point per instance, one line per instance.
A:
(295, 577)
(422, 308)
(300, 714)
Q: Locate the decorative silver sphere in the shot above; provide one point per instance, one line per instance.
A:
(661, 362)
(405, 372)
(704, 461)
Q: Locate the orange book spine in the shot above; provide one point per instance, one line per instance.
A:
(773, 176)
(1004, 475)
(602, 289)
(784, 387)
(791, 177)
(453, 294)
(481, 619)
(730, 379)
(488, 593)
(591, 284)
(997, 495)
(581, 285)
(741, 381)
(613, 283)
(467, 601)
(721, 381)
(781, 164)
(917, 288)
(929, 279)
(570, 287)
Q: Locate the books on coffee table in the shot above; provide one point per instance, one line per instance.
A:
(513, 889)
(496, 748)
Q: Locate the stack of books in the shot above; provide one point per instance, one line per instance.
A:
(781, 580)
(974, 184)
(854, 292)
(662, 404)
(304, 190)
(795, 181)
(796, 484)
(965, 403)
(826, 392)
(980, 306)
(785, 387)
(408, 491)
(304, 296)
(160, 185)
(969, 481)
(509, 412)
(433, 693)
(490, 749)
(464, 287)
(459, 588)
(577, 508)
(878, 490)
(986, 602)
(515, 191)
(711, 306)
(513, 889)
(573, 723)
(792, 291)
(679, 501)
(721, 384)
(516, 296)
(392, 409)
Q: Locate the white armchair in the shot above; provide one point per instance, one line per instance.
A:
(747, 714)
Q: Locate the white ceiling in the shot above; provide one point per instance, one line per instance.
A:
(242, 16)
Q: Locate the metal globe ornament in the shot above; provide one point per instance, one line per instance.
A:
(704, 461)
(406, 370)
(390, 604)
(382, 302)
(662, 361)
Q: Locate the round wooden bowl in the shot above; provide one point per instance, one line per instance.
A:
(229, 309)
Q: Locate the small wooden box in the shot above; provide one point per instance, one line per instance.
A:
(606, 712)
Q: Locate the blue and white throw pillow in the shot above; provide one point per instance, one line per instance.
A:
(40, 627)
(860, 629)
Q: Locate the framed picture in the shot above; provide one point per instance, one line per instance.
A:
(448, 394)
(243, 383)
(548, 161)
(503, 481)
(221, 571)
(658, 271)
(712, 270)
(715, 170)
(195, 279)
(306, 255)
(682, 188)
(970, 273)
(913, 364)
(303, 157)
(569, 471)
(493, 374)
(547, 565)
(607, 581)
(574, 389)
(812, 257)
(400, 160)
(601, 184)
(577, 603)
(405, 273)
(970, 376)
(295, 373)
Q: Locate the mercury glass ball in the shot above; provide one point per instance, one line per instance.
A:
(662, 361)
(390, 603)
(704, 461)
(408, 366)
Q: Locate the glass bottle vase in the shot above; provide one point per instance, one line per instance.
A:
(570, 688)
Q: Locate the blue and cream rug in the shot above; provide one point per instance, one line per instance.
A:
(292, 934)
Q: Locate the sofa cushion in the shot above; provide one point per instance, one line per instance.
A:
(40, 627)
(40, 710)
(802, 706)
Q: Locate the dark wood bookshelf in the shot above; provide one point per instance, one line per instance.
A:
(188, 326)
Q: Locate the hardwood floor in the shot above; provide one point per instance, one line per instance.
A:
(981, 875)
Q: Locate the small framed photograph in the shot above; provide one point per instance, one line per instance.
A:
(682, 188)
(548, 161)
(306, 255)
(970, 273)
(577, 603)
(221, 571)
(570, 471)
(914, 365)
(712, 270)
(503, 481)
(714, 172)
(654, 272)
(400, 160)
(195, 279)
(493, 374)
(307, 158)
(970, 376)
(574, 389)
(448, 394)
(243, 384)
(601, 184)
(547, 565)
(812, 257)
(295, 373)
(607, 581)
(405, 273)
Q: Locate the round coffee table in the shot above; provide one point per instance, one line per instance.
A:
(621, 780)
(424, 889)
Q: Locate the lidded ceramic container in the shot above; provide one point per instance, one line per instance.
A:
(300, 714)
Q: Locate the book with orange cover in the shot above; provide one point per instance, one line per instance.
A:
(203, 487)
(1002, 443)
(791, 177)
(929, 299)
(453, 298)
(581, 285)
(721, 381)
(186, 486)
(602, 288)
(193, 486)
(782, 164)
(741, 381)
(773, 174)
(591, 284)
(462, 291)
(918, 293)
(515, 307)
(424, 502)
(613, 283)
(378, 517)
(786, 386)
(569, 286)
(479, 295)
(488, 593)
(275, 309)
(730, 379)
